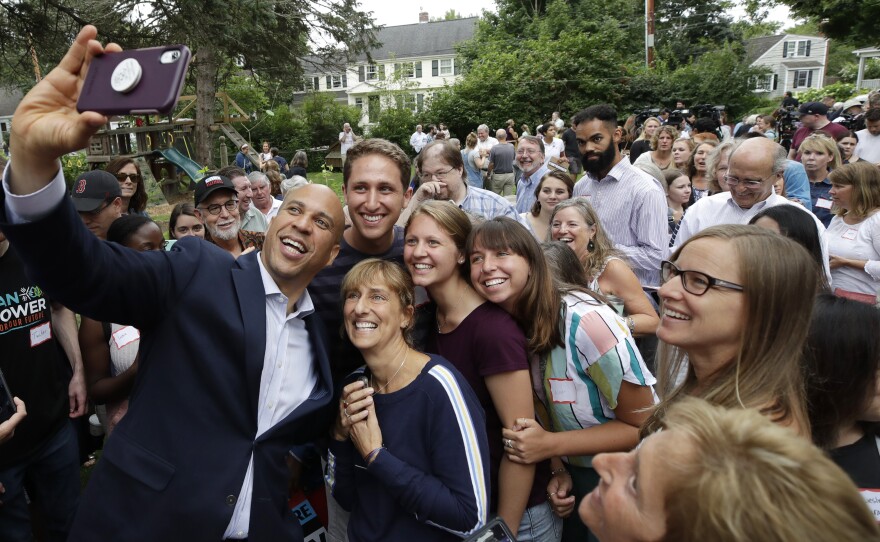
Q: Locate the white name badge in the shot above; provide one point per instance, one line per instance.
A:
(125, 336)
(562, 390)
(823, 203)
(850, 234)
(40, 334)
(872, 499)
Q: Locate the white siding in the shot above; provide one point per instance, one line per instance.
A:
(774, 60)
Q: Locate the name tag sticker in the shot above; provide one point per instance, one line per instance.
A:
(872, 499)
(40, 334)
(850, 234)
(562, 390)
(823, 203)
(125, 336)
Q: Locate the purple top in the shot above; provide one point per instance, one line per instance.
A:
(489, 342)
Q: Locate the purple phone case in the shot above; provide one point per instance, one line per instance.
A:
(157, 91)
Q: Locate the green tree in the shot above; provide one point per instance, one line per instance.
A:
(853, 21)
(686, 29)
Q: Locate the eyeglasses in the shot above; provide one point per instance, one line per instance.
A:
(748, 183)
(214, 209)
(529, 152)
(440, 175)
(694, 282)
(135, 177)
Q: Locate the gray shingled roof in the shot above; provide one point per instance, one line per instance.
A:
(756, 47)
(422, 39)
(9, 99)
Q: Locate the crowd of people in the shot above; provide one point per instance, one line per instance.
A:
(677, 345)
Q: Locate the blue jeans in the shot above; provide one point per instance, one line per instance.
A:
(51, 475)
(540, 524)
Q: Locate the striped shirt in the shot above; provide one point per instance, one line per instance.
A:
(486, 205)
(582, 378)
(631, 206)
(525, 189)
(430, 483)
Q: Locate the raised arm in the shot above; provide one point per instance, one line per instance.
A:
(47, 125)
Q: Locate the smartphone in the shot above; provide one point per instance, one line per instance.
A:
(136, 82)
(494, 531)
(7, 405)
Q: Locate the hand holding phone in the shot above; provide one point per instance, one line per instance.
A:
(137, 82)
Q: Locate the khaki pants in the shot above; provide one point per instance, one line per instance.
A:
(503, 184)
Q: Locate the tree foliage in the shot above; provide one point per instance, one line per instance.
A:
(853, 21)
(569, 54)
(686, 29)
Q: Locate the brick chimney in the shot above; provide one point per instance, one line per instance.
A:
(423, 16)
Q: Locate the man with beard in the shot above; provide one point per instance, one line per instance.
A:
(217, 207)
(631, 204)
(530, 159)
(251, 218)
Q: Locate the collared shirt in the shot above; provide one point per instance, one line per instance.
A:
(722, 209)
(632, 209)
(487, 205)
(254, 220)
(288, 378)
(525, 189)
(276, 205)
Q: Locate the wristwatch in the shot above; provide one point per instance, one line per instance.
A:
(631, 324)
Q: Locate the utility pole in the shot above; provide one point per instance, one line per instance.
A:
(649, 33)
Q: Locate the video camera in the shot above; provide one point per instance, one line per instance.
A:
(677, 116)
(714, 112)
(852, 122)
(786, 117)
(644, 114)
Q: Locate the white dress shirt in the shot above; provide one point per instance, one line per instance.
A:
(721, 209)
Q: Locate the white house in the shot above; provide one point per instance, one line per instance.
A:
(795, 62)
(413, 59)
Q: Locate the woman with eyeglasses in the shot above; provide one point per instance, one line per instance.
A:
(592, 387)
(735, 310)
(131, 184)
(110, 350)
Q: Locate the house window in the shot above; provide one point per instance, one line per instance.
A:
(446, 66)
(359, 103)
(796, 48)
(336, 81)
(372, 72)
(803, 78)
(409, 69)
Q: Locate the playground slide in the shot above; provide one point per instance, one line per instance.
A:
(190, 167)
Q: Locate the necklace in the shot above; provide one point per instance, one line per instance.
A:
(405, 350)
(441, 323)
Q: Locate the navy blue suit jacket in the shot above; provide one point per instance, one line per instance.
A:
(174, 466)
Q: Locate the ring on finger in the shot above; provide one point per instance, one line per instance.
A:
(508, 443)
(344, 404)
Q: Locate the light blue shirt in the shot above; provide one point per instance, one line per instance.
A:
(525, 189)
(797, 185)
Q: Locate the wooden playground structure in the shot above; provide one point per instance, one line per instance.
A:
(162, 148)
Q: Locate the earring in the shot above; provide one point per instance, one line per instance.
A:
(461, 261)
(591, 246)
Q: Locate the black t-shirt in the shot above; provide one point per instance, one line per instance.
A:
(30, 359)
(861, 460)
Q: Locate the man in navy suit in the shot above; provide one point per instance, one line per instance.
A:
(233, 368)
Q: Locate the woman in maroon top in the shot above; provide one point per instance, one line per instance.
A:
(489, 349)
